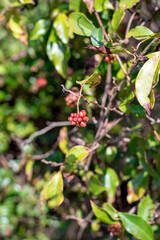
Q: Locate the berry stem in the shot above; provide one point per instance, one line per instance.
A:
(80, 95)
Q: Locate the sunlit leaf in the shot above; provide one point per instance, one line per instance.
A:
(74, 5)
(97, 37)
(40, 29)
(111, 182)
(111, 211)
(102, 214)
(58, 53)
(139, 32)
(136, 226)
(117, 18)
(29, 169)
(136, 187)
(92, 80)
(63, 140)
(77, 153)
(101, 5)
(146, 208)
(53, 191)
(145, 80)
(127, 3)
(80, 24)
(61, 27)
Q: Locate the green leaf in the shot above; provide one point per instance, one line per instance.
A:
(29, 169)
(138, 111)
(80, 24)
(53, 191)
(101, 5)
(74, 5)
(15, 25)
(110, 153)
(111, 211)
(144, 82)
(95, 186)
(154, 54)
(102, 214)
(97, 37)
(111, 182)
(119, 49)
(139, 32)
(61, 27)
(146, 208)
(58, 53)
(124, 4)
(136, 187)
(117, 18)
(63, 140)
(124, 104)
(77, 153)
(137, 226)
(40, 29)
(142, 156)
(92, 80)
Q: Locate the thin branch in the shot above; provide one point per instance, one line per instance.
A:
(154, 131)
(129, 23)
(91, 102)
(101, 25)
(45, 130)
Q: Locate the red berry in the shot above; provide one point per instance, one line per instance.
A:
(77, 123)
(107, 59)
(83, 124)
(85, 118)
(75, 119)
(81, 114)
(79, 119)
(75, 114)
(72, 114)
(84, 112)
(41, 82)
(73, 123)
(70, 119)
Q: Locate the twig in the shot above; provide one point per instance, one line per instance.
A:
(91, 102)
(129, 23)
(47, 154)
(154, 131)
(101, 25)
(53, 164)
(45, 130)
(84, 225)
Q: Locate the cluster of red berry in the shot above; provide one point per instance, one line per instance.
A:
(115, 229)
(71, 99)
(79, 119)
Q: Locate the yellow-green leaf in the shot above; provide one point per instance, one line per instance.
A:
(63, 140)
(93, 80)
(147, 76)
(61, 27)
(77, 153)
(53, 190)
(139, 32)
(102, 214)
